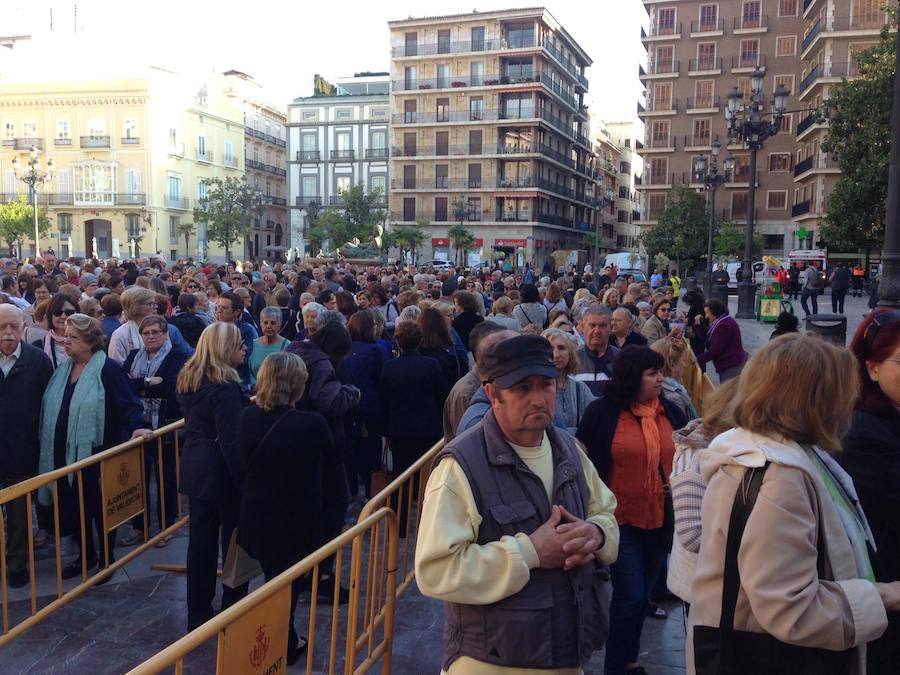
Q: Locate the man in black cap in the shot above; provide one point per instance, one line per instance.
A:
(517, 529)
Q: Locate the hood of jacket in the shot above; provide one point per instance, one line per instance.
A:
(308, 351)
(739, 447)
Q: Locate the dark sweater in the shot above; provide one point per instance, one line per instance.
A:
(168, 371)
(21, 392)
(413, 390)
(724, 346)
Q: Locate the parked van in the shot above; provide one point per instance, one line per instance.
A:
(758, 267)
(626, 261)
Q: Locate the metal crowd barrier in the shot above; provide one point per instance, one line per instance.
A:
(252, 633)
(123, 495)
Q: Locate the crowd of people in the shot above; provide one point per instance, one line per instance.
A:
(597, 431)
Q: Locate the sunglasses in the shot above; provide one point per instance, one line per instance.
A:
(64, 312)
(886, 319)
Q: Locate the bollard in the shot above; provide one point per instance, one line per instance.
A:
(831, 327)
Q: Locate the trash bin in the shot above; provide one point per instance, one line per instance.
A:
(719, 291)
(831, 327)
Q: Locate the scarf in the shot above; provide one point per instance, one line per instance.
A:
(145, 366)
(53, 348)
(647, 414)
(87, 416)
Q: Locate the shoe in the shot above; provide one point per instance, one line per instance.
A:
(294, 653)
(656, 612)
(73, 569)
(131, 538)
(326, 590)
(18, 578)
(165, 541)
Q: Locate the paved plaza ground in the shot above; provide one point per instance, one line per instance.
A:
(114, 627)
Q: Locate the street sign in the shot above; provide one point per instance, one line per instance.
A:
(802, 233)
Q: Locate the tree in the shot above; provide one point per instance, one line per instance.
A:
(462, 240)
(408, 237)
(729, 241)
(186, 230)
(356, 219)
(228, 210)
(858, 113)
(17, 222)
(681, 229)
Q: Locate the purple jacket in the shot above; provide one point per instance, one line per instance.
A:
(723, 345)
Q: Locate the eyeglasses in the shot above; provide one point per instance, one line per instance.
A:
(664, 309)
(192, 286)
(881, 320)
(64, 312)
(152, 333)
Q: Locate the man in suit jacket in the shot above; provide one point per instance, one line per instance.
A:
(24, 374)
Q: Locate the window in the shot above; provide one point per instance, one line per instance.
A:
(309, 187)
(659, 136)
(409, 77)
(786, 125)
(340, 114)
(750, 15)
(517, 106)
(409, 209)
(743, 85)
(655, 205)
(411, 41)
(442, 143)
(706, 56)
(441, 173)
(664, 61)
(63, 180)
(410, 108)
(440, 209)
(473, 208)
(749, 53)
(129, 129)
(475, 142)
(378, 184)
(133, 223)
(709, 17)
(520, 35)
(476, 108)
(309, 144)
(9, 131)
(474, 175)
(703, 93)
(787, 81)
(64, 221)
(30, 129)
(518, 70)
(342, 184)
(776, 199)
(702, 134)
(174, 185)
(229, 152)
(379, 142)
(443, 75)
(309, 115)
(659, 170)
(62, 129)
(409, 145)
(342, 143)
(738, 205)
(173, 229)
(409, 177)
(665, 21)
(662, 96)
(442, 113)
(741, 168)
(132, 181)
(95, 183)
(173, 138)
(787, 7)
(443, 43)
(786, 45)
(96, 127)
(476, 71)
(201, 147)
(477, 35)
(202, 189)
(780, 161)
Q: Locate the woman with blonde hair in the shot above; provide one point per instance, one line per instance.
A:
(611, 298)
(583, 294)
(572, 396)
(502, 314)
(283, 450)
(212, 470)
(782, 524)
(673, 351)
(137, 303)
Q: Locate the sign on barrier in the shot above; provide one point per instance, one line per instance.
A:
(122, 485)
(256, 643)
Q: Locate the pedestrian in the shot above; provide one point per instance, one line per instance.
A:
(673, 352)
(212, 470)
(813, 284)
(466, 315)
(502, 314)
(53, 344)
(112, 313)
(782, 525)
(695, 320)
(622, 332)
(871, 455)
(88, 406)
(724, 347)
(656, 327)
(24, 373)
(137, 302)
(572, 396)
(230, 309)
(793, 281)
(596, 355)
(269, 342)
(438, 343)
(720, 276)
(528, 587)
(840, 284)
(859, 280)
(787, 323)
(530, 310)
(283, 450)
(628, 437)
(187, 320)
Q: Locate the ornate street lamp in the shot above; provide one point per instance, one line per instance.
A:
(746, 125)
(711, 178)
(34, 176)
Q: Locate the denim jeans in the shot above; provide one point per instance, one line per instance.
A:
(641, 558)
(810, 295)
(837, 300)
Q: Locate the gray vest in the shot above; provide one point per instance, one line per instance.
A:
(559, 618)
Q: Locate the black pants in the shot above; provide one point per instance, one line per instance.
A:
(405, 452)
(837, 300)
(366, 455)
(16, 528)
(272, 568)
(70, 515)
(166, 485)
(336, 499)
(811, 295)
(210, 529)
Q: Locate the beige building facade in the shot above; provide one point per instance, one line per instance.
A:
(628, 138)
(487, 112)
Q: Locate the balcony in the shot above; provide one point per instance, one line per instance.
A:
(230, 162)
(134, 199)
(811, 35)
(556, 155)
(558, 123)
(811, 76)
(815, 165)
(707, 28)
(747, 62)
(801, 208)
(204, 155)
(307, 201)
(668, 106)
(553, 219)
(833, 72)
(702, 104)
(703, 141)
(28, 143)
(567, 65)
(460, 82)
(9, 143)
(307, 155)
(661, 69)
(94, 142)
(804, 166)
(582, 140)
(551, 186)
(661, 144)
(130, 140)
(342, 154)
(446, 47)
(806, 123)
(662, 180)
(182, 203)
(377, 153)
(662, 31)
(277, 170)
(278, 201)
(750, 24)
(62, 142)
(867, 23)
(705, 66)
(253, 164)
(561, 92)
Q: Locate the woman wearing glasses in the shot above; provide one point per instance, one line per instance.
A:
(656, 327)
(53, 343)
(872, 458)
(137, 302)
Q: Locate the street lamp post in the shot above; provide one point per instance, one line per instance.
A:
(889, 288)
(746, 125)
(33, 176)
(712, 180)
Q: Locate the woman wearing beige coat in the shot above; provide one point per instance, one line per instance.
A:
(805, 502)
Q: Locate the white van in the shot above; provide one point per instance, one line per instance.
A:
(732, 268)
(626, 261)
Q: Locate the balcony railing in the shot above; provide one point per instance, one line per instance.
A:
(811, 76)
(811, 35)
(751, 21)
(707, 26)
(130, 140)
(704, 64)
(569, 67)
(9, 143)
(558, 123)
(553, 219)
(804, 166)
(801, 208)
(664, 105)
(748, 61)
(458, 82)
(446, 47)
(230, 162)
(133, 199)
(27, 143)
(204, 155)
(558, 188)
(806, 123)
(342, 154)
(377, 153)
(664, 68)
(62, 142)
(182, 203)
(559, 90)
(307, 155)
(703, 103)
(826, 70)
(697, 141)
(513, 183)
(94, 141)
(306, 201)
(662, 143)
(253, 164)
(278, 201)
(665, 29)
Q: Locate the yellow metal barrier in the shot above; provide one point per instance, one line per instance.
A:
(118, 475)
(251, 634)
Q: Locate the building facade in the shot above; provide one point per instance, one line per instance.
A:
(489, 127)
(697, 51)
(132, 157)
(628, 198)
(337, 141)
(265, 164)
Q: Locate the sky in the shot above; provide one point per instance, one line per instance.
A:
(284, 43)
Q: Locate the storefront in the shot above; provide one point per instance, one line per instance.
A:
(440, 248)
(512, 250)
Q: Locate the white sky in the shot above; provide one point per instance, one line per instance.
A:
(283, 43)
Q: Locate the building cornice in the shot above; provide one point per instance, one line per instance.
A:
(68, 101)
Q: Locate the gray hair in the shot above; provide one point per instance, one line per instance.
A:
(19, 313)
(312, 307)
(596, 310)
(87, 279)
(327, 317)
(410, 313)
(622, 311)
(273, 312)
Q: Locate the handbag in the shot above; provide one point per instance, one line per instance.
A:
(240, 567)
(381, 477)
(723, 650)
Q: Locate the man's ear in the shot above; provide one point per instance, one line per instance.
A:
(491, 392)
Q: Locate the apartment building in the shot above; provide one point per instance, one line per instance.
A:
(488, 123)
(132, 155)
(606, 172)
(265, 164)
(337, 138)
(698, 50)
(630, 169)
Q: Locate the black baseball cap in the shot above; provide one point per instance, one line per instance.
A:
(511, 361)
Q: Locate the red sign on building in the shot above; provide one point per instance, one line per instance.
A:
(510, 242)
(436, 241)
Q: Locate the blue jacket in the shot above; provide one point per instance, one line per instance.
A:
(363, 368)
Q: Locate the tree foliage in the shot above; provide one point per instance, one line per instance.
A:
(228, 210)
(462, 240)
(407, 238)
(17, 222)
(355, 220)
(729, 241)
(681, 229)
(187, 230)
(858, 113)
